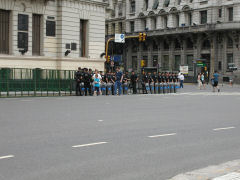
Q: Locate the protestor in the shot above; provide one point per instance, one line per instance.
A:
(118, 83)
(134, 80)
(97, 83)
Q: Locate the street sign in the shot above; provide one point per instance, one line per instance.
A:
(201, 64)
(184, 69)
(119, 38)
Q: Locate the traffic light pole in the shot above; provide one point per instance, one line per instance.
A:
(113, 38)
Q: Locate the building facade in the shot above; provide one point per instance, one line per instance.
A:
(52, 34)
(180, 32)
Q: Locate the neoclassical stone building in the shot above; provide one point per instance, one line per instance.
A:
(179, 32)
(52, 34)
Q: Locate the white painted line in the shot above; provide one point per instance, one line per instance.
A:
(226, 128)
(6, 157)
(100, 120)
(162, 135)
(92, 144)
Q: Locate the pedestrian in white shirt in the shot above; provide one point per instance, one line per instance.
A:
(181, 78)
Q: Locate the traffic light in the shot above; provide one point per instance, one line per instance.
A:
(108, 59)
(205, 68)
(144, 37)
(143, 63)
(140, 37)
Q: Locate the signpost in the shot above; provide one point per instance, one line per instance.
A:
(119, 38)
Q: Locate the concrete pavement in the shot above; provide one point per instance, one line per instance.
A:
(138, 137)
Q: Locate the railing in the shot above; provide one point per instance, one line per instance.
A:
(35, 82)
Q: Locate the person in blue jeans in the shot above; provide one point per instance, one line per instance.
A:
(118, 82)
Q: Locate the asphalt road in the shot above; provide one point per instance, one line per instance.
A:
(135, 137)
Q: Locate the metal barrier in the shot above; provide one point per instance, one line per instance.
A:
(36, 82)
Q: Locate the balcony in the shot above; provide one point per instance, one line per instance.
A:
(193, 29)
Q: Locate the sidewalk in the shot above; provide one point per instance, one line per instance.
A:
(226, 171)
(223, 88)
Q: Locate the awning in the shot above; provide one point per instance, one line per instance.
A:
(155, 5)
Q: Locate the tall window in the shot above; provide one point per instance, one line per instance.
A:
(83, 38)
(203, 16)
(134, 63)
(120, 10)
(132, 26)
(229, 42)
(51, 27)
(230, 14)
(177, 20)
(165, 63)
(155, 61)
(23, 31)
(144, 24)
(165, 21)
(113, 28)
(229, 59)
(120, 28)
(219, 13)
(179, 2)
(4, 32)
(106, 29)
(146, 4)
(177, 63)
(154, 23)
(190, 62)
(36, 34)
(189, 19)
(132, 6)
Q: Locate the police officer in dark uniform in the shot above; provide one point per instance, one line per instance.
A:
(155, 80)
(78, 79)
(87, 82)
(150, 81)
(134, 79)
(159, 77)
(144, 81)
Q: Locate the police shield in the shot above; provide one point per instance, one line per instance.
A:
(103, 88)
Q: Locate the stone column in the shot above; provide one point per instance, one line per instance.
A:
(213, 53)
(183, 50)
(171, 50)
(160, 52)
(150, 50)
(139, 56)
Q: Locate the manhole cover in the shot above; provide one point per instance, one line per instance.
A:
(231, 176)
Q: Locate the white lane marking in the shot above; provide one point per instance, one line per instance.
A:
(162, 135)
(91, 144)
(6, 157)
(100, 120)
(226, 128)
